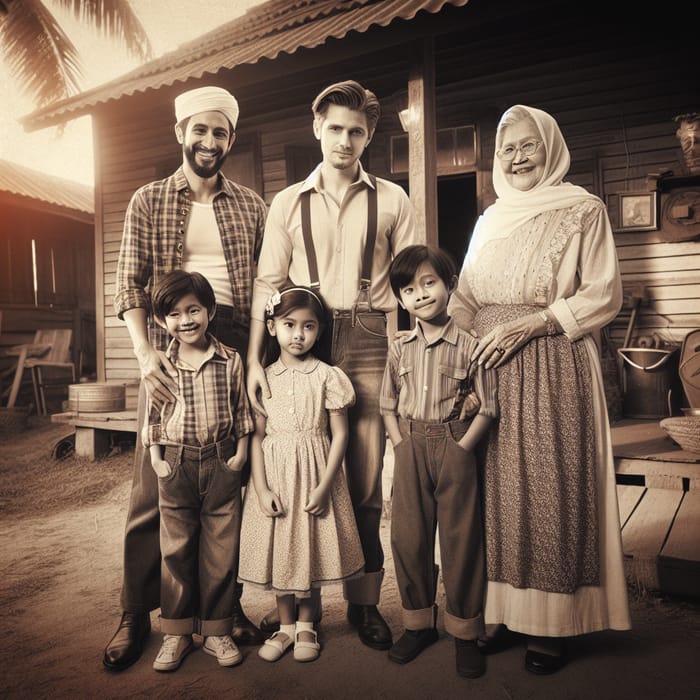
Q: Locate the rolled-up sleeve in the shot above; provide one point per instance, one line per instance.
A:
(242, 413)
(389, 394)
(275, 255)
(135, 262)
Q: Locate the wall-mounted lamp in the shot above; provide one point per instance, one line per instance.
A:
(404, 118)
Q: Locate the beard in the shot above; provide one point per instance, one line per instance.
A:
(204, 171)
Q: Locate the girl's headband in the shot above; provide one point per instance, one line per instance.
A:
(275, 299)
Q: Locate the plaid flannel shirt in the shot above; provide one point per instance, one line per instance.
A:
(211, 401)
(154, 237)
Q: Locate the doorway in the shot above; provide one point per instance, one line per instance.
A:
(457, 212)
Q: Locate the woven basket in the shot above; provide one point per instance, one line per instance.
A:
(96, 397)
(13, 420)
(684, 430)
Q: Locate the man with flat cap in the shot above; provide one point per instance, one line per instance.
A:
(195, 220)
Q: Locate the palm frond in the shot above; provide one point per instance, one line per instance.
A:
(38, 52)
(114, 19)
(42, 56)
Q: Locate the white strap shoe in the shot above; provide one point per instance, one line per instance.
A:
(306, 651)
(275, 646)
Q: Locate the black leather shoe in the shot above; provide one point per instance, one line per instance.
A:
(412, 643)
(126, 646)
(243, 631)
(545, 664)
(501, 640)
(469, 660)
(370, 625)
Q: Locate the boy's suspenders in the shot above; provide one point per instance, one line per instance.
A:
(363, 295)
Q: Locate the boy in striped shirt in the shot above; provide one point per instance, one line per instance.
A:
(436, 407)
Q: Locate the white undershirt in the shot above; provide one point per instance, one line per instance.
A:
(204, 253)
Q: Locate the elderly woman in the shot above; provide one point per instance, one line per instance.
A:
(539, 280)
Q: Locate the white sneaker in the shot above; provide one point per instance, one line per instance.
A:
(173, 650)
(225, 650)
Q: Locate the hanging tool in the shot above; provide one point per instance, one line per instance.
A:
(637, 295)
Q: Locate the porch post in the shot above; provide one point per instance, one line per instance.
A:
(422, 157)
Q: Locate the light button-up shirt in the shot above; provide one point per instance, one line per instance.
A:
(339, 232)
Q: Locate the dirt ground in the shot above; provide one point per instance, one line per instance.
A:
(61, 524)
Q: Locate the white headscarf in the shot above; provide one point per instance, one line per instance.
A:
(514, 207)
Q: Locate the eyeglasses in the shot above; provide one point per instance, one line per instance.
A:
(529, 148)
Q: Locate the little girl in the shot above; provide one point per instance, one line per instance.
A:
(298, 531)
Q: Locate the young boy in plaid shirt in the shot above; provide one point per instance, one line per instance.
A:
(198, 446)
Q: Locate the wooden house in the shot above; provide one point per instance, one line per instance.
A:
(614, 75)
(47, 252)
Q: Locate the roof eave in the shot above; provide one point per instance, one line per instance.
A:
(167, 73)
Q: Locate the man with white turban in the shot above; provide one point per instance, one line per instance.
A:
(197, 220)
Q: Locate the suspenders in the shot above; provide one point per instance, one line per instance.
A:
(363, 295)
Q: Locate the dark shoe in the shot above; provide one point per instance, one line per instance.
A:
(500, 640)
(126, 646)
(412, 643)
(243, 631)
(370, 625)
(469, 660)
(544, 664)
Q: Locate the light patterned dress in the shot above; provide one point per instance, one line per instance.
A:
(552, 525)
(297, 551)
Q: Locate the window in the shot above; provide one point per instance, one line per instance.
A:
(456, 150)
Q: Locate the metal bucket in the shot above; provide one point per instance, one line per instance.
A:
(651, 385)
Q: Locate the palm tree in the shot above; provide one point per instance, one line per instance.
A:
(42, 56)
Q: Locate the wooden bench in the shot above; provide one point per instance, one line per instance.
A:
(659, 497)
(93, 430)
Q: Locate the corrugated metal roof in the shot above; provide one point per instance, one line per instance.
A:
(26, 182)
(275, 27)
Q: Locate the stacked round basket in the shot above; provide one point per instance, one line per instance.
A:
(96, 397)
(685, 430)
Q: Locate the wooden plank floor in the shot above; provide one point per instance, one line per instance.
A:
(660, 512)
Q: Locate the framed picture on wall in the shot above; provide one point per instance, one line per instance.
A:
(633, 211)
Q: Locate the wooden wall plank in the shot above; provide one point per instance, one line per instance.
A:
(615, 105)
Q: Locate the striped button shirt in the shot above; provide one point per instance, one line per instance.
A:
(154, 236)
(211, 401)
(429, 381)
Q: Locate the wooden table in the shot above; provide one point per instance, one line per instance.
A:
(658, 487)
